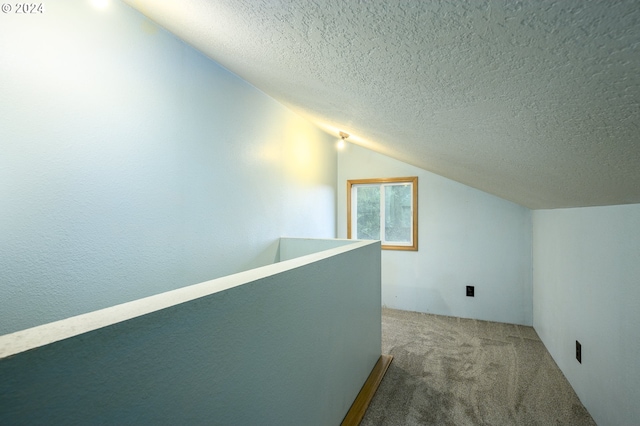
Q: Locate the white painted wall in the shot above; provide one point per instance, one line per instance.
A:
(586, 288)
(466, 237)
(130, 164)
(290, 248)
(287, 344)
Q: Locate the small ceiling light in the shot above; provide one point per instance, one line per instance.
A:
(100, 4)
(343, 136)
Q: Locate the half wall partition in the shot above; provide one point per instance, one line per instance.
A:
(287, 343)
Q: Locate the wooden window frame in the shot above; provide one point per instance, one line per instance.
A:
(413, 180)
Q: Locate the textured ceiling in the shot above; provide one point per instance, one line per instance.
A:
(537, 102)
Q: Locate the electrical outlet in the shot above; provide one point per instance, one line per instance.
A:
(470, 291)
(579, 352)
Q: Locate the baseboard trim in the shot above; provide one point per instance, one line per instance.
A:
(359, 407)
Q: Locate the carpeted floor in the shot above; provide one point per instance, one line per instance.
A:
(453, 371)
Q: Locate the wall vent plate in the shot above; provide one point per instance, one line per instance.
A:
(470, 291)
(579, 352)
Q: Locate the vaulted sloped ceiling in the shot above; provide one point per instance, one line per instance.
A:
(535, 101)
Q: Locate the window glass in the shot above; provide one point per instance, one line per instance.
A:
(368, 218)
(397, 213)
(384, 209)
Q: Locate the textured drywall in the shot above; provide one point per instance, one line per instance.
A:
(290, 348)
(586, 264)
(465, 237)
(291, 248)
(132, 164)
(537, 102)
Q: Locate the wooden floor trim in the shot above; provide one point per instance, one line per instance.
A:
(359, 407)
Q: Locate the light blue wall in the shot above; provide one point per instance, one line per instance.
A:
(466, 237)
(290, 248)
(289, 344)
(586, 288)
(130, 164)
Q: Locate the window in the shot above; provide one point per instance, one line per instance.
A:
(384, 209)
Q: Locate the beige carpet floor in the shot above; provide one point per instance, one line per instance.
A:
(453, 371)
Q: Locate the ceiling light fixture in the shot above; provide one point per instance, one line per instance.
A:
(100, 4)
(343, 136)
